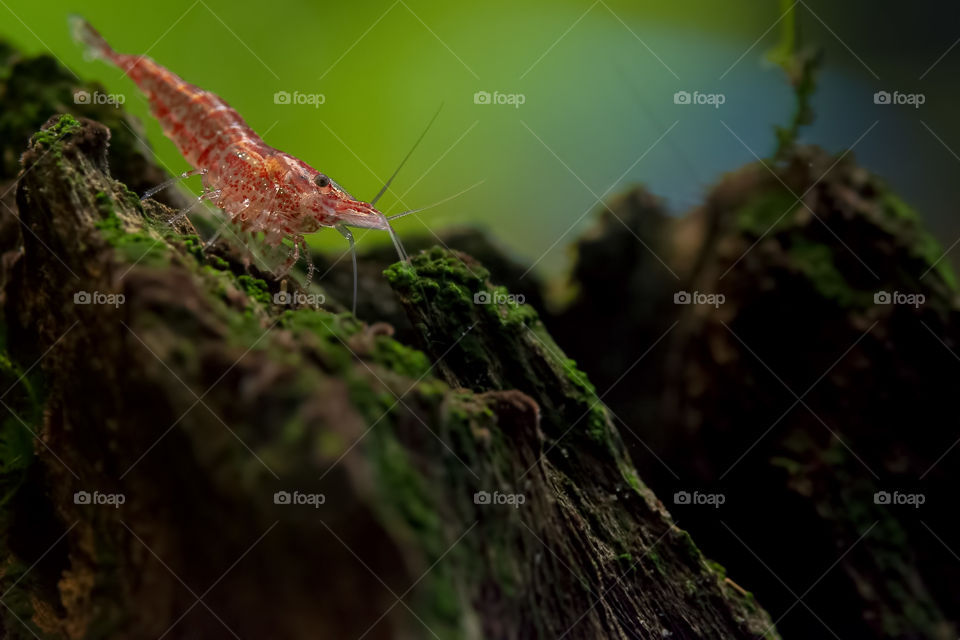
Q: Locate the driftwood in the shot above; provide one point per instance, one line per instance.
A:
(800, 397)
(190, 448)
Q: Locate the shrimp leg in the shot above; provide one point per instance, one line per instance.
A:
(305, 250)
(164, 185)
(214, 237)
(353, 253)
(299, 249)
(179, 215)
(291, 260)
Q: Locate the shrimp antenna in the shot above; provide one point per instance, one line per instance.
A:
(386, 222)
(407, 157)
(436, 204)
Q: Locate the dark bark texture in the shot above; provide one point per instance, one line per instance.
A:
(800, 397)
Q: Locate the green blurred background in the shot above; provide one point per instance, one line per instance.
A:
(597, 80)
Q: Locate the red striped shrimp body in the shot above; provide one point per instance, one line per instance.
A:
(261, 188)
(267, 190)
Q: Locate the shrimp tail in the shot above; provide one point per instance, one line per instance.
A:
(90, 38)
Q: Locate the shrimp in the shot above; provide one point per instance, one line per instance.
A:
(262, 189)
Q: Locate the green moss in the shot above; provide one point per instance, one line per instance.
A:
(450, 286)
(246, 330)
(218, 282)
(136, 247)
(401, 275)
(767, 212)
(141, 249)
(506, 309)
(791, 466)
(657, 561)
(815, 260)
(433, 389)
(924, 246)
(627, 565)
(409, 500)
(400, 358)
(897, 208)
(105, 206)
(718, 569)
(630, 475)
(218, 263)
(583, 392)
(132, 199)
(331, 331)
(439, 264)
(193, 245)
(331, 444)
(256, 288)
(228, 287)
(929, 250)
(50, 137)
(597, 426)
(691, 552)
(437, 274)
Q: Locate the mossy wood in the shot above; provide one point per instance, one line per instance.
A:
(200, 399)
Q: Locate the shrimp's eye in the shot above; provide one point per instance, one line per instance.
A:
(321, 181)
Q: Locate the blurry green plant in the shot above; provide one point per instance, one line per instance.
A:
(801, 64)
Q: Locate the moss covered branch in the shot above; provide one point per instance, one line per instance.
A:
(185, 452)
